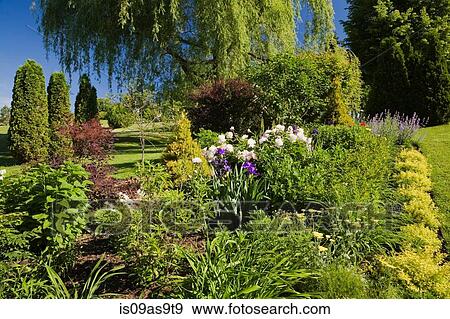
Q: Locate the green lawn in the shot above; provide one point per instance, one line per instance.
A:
(126, 154)
(435, 145)
(6, 160)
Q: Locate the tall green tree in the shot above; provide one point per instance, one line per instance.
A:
(58, 100)
(58, 114)
(5, 114)
(28, 127)
(177, 39)
(86, 104)
(404, 48)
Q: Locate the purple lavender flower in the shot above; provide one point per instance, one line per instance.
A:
(398, 127)
(250, 167)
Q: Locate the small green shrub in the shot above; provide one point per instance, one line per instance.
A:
(154, 178)
(341, 282)
(119, 116)
(206, 138)
(330, 137)
(53, 202)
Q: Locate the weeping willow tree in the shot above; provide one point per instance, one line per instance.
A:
(168, 39)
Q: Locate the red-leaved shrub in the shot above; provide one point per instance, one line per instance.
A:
(90, 140)
(226, 103)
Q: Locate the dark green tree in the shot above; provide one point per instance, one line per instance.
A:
(404, 48)
(182, 39)
(28, 128)
(58, 115)
(5, 114)
(58, 100)
(86, 106)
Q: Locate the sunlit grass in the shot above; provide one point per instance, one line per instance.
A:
(6, 160)
(127, 150)
(436, 146)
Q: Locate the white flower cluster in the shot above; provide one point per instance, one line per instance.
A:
(2, 174)
(247, 155)
(279, 135)
(294, 135)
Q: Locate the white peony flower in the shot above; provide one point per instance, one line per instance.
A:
(232, 128)
(280, 128)
(292, 137)
(263, 139)
(247, 155)
(229, 148)
(196, 160)
(251, 143)
(244, 137)
(278, 142)
(229, 135)
(290, 129)
(222, 139)
(213, 148)
(210, 155)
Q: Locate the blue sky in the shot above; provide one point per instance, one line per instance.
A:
(19, 41)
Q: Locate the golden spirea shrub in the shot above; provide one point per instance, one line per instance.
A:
(419, 266)
(183, 157)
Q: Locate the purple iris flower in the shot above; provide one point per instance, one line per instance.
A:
(221, 166)
(250, 167)
(220, 151)
(315, 132)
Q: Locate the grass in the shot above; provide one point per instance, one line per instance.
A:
(127, 151)
(6, 160)
(436, 146)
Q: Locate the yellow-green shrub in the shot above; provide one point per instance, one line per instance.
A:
(420, 272)
(412, 155)
(180, 153)
(421, 207)
(419, 266)
(419, 167)
(410, 179)
(418, 236)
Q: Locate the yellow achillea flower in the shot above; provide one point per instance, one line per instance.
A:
(317, 235)
(322, 249)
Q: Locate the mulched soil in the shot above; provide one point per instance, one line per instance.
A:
(91, 248)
